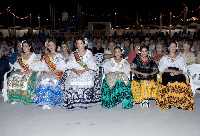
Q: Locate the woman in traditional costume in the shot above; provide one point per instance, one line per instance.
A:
(79, 81)
(175, 90)
(172, 66)
(21, 83)
(48, 90)
(144, 85)
(116, 86)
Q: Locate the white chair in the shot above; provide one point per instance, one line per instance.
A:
(194, 75)
(99, 58)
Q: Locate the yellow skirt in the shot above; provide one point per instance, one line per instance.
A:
(144, 90)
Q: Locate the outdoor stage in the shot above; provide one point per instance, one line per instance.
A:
(30, 120)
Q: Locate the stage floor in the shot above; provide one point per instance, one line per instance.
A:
(30, 120)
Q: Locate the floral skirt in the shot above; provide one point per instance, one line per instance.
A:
(144, 90)
(78, 96)
(21, 87)
(48, 90)
(177, 95)
(119, 93)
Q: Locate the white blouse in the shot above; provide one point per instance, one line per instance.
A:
(88, 59)
(166, 62)
(58, 59)
(86, 79)
(33, 62)
(111, 65)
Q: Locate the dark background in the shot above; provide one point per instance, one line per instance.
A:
(121, 12)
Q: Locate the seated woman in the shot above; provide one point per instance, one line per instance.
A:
(172, 66)
(79, 78)
(116, 86)
(145, 73)
(48, 91)
(22, 81)
(175, 91)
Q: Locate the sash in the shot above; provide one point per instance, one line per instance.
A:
(52, 66)
(24, 66)
(79, 59)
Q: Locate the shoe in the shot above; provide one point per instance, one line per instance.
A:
(46, 107)
(13, 103)
(145, 104)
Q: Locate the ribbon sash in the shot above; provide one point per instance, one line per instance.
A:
(79, 60)
(52, 66)
(23, 65)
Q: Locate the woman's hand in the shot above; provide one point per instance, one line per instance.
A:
(57, 71)
(175, 72)
(145, 74)
(28, 71)
(178, 72)
(169, 70)
(79, 72)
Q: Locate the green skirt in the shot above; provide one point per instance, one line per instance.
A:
(21, 87)
(119, 93)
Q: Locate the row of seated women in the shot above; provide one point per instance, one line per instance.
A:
(49, 80)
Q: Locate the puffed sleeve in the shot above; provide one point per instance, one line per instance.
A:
(162, 66)
(36, 64)
(16, 65)
(154, 67)
(126, 68)
(182, 65)
(60, 62)
(106, 66)
(90, 61)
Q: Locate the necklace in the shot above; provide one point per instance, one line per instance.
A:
(26, 56)
(172, 57)
(144, 60)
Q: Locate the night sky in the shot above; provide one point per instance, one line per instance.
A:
(122, 5)
(98, 9)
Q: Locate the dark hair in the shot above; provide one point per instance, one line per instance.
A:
(76, 39)
(80, 38)
(171, 42)
(29, 43)
(53, 41)
(117, 47)
(142, 47)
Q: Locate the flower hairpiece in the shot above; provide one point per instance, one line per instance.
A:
(64, 45)
(177, 45)
(86, 41)
(22, 42)
(122, 49)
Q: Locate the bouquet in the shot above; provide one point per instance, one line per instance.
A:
(79, 59)
(23, 65)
